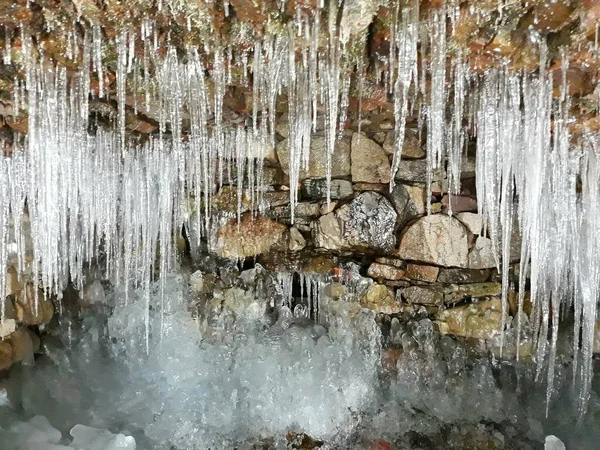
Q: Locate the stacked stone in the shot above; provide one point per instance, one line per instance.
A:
(25, 311)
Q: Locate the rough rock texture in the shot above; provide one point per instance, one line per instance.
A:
(30, 310)
(369, 162)
(317, 168)
(383, 271)
(411, 149)
(420, 272)
(473, 221)
(481, 320)
(380, 298)
(436, 239)
(460, 276)
(297, 241)
(317, 188)
(457, 293)
(366, 223)
(424, 295)
(481, 255)
(409, 201)
(254, 236)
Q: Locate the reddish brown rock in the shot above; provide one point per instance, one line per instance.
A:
(255, 235)
(421, 272)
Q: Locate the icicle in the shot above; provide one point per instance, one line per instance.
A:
(406, 42)
(437, 102)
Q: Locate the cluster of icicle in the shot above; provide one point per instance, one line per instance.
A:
(90, 194)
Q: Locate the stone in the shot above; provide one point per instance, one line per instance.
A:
(23, 345)
(197, 282)
(226, 200)
(26, 311)
(423, 295)
(391, 262)
(317, 188)
(458, 203)
(93, 293)
(368, 223)
(553, 443)
(436, 239)
(473, 222)
(385, 272)
(277, 198)
(380, 298)
(365, 224)
(6, 355)
(13, 285)
(461, 276)
(326, 209)
(481, 255)
(411, 149)
(412, 170)
(421, 272)
(273, 176)
(7, 327)
(327, 232)
(457, 293)
(296, 242)
(369, 162)
(482, 320)
(409, 202)
(317, 167)
(255, 235)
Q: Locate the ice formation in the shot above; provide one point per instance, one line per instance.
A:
(100, 196)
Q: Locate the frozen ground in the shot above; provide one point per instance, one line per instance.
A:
(245, 374)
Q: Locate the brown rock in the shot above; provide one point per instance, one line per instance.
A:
(13, 285)
(411, 149)
(30, 310)
(317, 166)
(385, 272)
(459, 203)
(23, 345)
(6, 355)
(422, 273)
(369, 162)
(253, 237)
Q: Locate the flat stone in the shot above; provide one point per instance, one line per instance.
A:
(277, 198)
(317, 167)
(482, 320)
(369, 162)
(7, 327)
(436, 239)
(458, 203)
(481, 255)
(317, 188)
(415, 170)
(411, 148)
(383, 271)
(326, 209)
(473, 221)
(423, 295)
(255, 235)
(460, 276)
(398, 263)
(6, 355)
(457, 293)
(421, 272)
(380, 187)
